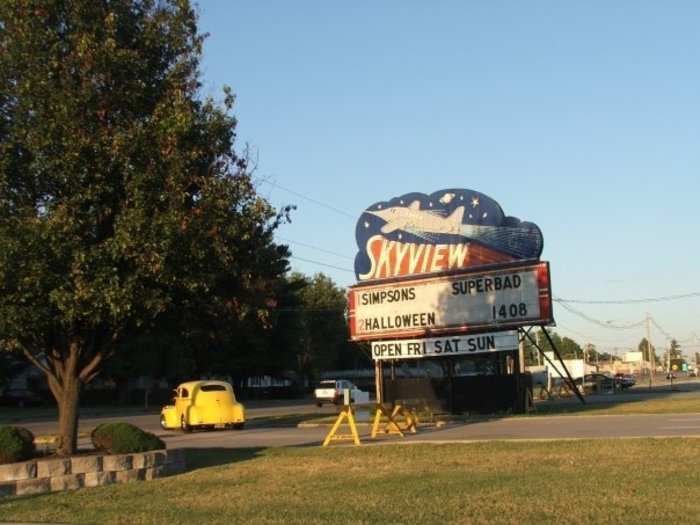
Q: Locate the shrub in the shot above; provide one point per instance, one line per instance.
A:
(16, 444)
(124, 438)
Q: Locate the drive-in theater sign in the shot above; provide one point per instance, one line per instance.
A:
(445, 280)
(496, 298)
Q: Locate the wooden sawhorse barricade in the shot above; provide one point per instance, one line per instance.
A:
(393, 415)
(401, 417)
(345, 413)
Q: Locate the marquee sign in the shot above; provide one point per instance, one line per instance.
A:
(447, 230)
(445, 346)
(501, 298)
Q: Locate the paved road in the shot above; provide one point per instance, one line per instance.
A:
(558, 427)
(534, 427)
(516, 428)
(540, 427)
(151, 422)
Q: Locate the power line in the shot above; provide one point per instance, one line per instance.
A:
(635, 301)
(317, 202)
(604, 324)
(321, 263)
(302, 309)
(597, 342)
(663, 332)
(323, 250)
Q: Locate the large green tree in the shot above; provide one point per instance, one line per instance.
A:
(648, 350)
(567, 347)
(121, 197)
(324, 333)
(675, 349)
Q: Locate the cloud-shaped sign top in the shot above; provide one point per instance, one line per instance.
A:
(448, 229)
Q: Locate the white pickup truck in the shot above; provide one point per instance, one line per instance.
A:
(331, 391)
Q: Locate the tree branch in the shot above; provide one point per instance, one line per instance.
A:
(90, 370)
(38, 363)
(56, 388)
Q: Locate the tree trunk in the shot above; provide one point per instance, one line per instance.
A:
(66, 376)
(68, 404)
(65, 387)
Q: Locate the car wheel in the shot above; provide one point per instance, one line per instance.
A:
(238, 426)
(184, 426)
(319, 404)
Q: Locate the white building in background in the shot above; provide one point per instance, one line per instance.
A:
(634, 363)
(576, 367)
(633, 357)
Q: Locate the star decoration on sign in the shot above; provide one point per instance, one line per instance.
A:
(366, 225)
(475, 202)
(400, 236)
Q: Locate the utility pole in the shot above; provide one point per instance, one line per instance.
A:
(650, 353)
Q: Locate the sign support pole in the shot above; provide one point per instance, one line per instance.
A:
(570, 382)
(378, 382)
(517, 406)
(571, 379)
(650, 354)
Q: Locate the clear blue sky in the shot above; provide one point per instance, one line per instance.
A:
(581, 117)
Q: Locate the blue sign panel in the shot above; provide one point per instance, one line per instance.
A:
(446, 230)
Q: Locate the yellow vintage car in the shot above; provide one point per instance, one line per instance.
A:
(203, 404)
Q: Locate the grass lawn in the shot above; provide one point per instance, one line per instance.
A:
(15, 415)
(659, 405)
(601, 481)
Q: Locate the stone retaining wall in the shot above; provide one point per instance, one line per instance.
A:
(55, 474)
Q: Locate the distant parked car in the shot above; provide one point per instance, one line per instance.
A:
(331, 391)
(595, 383)
(20, 397)
(625, 380)
(203, 404)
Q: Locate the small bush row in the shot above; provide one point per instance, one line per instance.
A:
(124, 438)
(16, 444)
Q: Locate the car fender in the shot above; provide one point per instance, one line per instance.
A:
(169, 414)
(239, 411)
(193, 416)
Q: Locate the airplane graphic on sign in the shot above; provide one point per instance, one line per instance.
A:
(447, 230)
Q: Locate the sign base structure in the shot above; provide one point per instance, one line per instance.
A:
(345, 413)
(446, 380)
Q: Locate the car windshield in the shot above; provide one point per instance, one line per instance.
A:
(213, 388)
